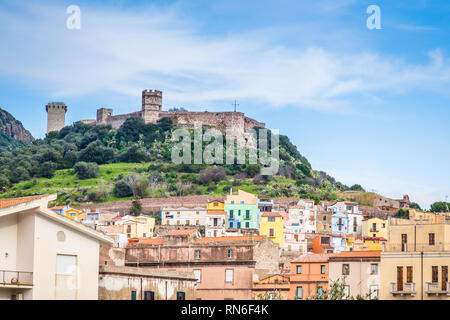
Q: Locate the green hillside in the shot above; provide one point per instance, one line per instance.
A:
(96, 163)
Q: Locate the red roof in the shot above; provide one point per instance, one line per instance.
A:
(375, 238)
(314, 257)
(57, 208)
(271, 214)
(358, 254)
(182, 232)
(228, 239)
(221, 213)
(4, 203)
(146, 241)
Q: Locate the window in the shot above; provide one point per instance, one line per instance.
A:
(247, 224)
(133, 295)
(383, 226)
(345, 269)
(188, 222)
(232, 201)
(373, 291)
(299, 269)
(374, 268)
(198, 212)
(229, 275)
(198, 274)
(197, 222)
(247, 214)
(149, 295)
(271, 219)
(320, 292)
(230, 254)
(409, 274)
(242, 201)
(325, 240)
(181, 295)
(231, 214)
(128, 228)
(271, 232)
(197, 254)
(435, 274)
(431, 239)
(346, 292)
(324, 218)
(299, 294)
(322, 269)
(231, 225)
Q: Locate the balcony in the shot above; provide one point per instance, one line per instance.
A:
(437, 289)
(404, 289)
(374, 230)
(16, 278)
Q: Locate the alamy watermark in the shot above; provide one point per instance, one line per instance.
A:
(73, 22)
(209, 147)
(374, 20)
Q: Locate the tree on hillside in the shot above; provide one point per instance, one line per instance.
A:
(440, 206)
(416, 206)
(86, 170)
(136, 207)
(356, 187)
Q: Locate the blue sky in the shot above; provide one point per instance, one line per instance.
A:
(366, 106)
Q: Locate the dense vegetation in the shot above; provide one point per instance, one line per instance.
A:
(96, 163)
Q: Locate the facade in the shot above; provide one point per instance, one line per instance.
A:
(271, 287)
(184, 216)
(322, 244)
(339, 220)
(215, 219)
(242, 211)
(129, 283)
(309, 276)
(338, 242)
(139, 227)
(359, 270)
(323, 223)
(415, 262)
(225, 267)
(374, 227)
(271, 226)
(46, 256)
(304, 213)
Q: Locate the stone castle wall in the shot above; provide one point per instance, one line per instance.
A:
(56, 116)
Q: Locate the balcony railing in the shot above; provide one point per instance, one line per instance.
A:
(437, 288)
(17, 278)
(404, 289)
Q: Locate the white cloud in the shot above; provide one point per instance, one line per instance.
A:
(126, 51)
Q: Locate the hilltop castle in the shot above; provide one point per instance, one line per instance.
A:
(151, 112)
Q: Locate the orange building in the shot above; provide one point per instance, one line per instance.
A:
(309, 276)
(322, 244)
(275, 286)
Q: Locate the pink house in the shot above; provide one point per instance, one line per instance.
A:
(294, 238)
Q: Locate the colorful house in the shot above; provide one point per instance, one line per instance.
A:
(242, 211)
(272, 287)
(68, 212)
(139, 227)
(339, 220)
(322, 244)
(215, 219)
(309, 276)
(374, 227)
(271, 226)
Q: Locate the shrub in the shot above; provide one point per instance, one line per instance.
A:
(122, 189)
(97, 195)
(86, 170)
(215, 174)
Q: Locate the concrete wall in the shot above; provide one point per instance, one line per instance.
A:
(47, 246)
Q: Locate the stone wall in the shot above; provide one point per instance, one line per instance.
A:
(56, 116)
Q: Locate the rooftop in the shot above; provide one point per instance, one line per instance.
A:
(314, 257)
(182, 232)
(5, 203)
(228, 239)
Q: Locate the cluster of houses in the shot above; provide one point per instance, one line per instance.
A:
(240, 247)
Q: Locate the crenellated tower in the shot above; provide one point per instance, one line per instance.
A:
(56, 116)
(151, 105)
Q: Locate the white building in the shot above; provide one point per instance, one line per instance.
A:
(355, 216)
(304, 215)
(183, 216)
(216, 223)
(44, 255)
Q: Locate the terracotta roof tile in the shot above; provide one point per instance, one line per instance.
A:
(228, 239)
(271, 214)
(221, 213)
(5, 203)
(57, 208)
(181, 232)
(314, 257)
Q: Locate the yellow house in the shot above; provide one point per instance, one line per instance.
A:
(427, 217)
(139, 227)
(416, 260)
(374, 227)
(364, 244)
(68, 212)
(271, 226)
(215, 206)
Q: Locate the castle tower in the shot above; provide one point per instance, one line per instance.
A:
(152, 100)
(56, 116)
(103, 114)
(151, 105)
